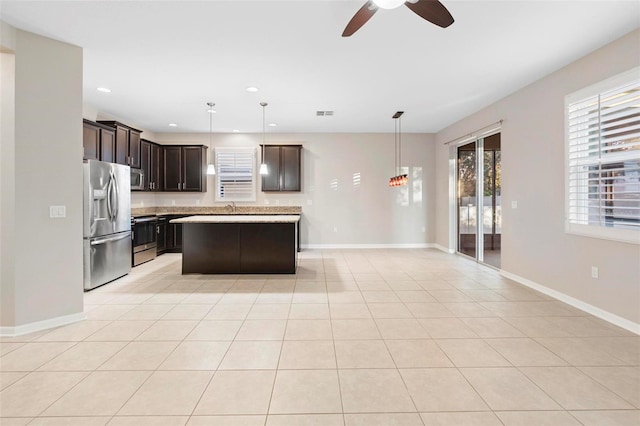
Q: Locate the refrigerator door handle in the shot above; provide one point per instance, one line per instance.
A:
(116, 192)
(109, 208)
(99, 241)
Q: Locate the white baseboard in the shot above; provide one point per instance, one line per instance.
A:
(576, 303)
(41, 325)
(366, 246)
(443, 248)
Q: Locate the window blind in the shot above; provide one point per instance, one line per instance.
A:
(235, 180)
(604, 158)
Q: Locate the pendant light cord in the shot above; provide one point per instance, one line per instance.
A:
(399, 144)
(264, 131)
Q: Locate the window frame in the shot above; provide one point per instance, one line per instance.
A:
(594, 230)
(250, 150)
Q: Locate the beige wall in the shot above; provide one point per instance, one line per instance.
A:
(47, 170)
(369, 213)
(7, 174)
(534, 243)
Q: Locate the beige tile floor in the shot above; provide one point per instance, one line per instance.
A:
(356, 337)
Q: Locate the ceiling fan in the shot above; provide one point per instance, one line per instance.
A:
(431, 10)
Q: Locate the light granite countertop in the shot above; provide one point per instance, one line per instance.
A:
(216, 210)
(239, 219)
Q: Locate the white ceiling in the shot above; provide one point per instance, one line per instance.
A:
(164, 60)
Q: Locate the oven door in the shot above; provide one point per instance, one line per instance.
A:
(144, 233)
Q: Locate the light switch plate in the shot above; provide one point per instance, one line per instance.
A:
(57, 212)
(514, 204)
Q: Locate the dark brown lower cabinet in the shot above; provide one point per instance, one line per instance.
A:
(161, 240)
(173, 235)
(239, 248)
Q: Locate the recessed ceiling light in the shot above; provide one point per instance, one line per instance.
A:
(273, 124)
(236, 131)
(173, 125)
(104, 90)
(252, 89)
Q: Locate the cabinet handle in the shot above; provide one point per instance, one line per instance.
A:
(178, 185)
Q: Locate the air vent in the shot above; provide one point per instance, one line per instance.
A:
(324, 113)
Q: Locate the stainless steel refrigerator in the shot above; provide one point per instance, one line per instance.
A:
(107, 222)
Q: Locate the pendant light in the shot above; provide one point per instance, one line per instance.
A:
(211, 169)
(264, 170)
(398, 179)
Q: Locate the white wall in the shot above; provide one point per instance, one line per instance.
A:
(336, 210)
(534, 244)
(47, 170)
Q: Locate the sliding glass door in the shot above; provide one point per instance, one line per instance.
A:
(479, 206)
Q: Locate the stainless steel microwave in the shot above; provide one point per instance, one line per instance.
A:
(137, 180)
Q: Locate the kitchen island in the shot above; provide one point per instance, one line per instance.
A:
(239, 244)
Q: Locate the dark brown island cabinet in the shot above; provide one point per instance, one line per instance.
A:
(284, 170)
(237, 244)
(98, 141)
(152, 165)
(127, 144)
(185, 168)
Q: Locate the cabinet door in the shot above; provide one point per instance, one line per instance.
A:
(290, 168)
(134, 149)
(122, 145)
(169, 231)
(158, 152)
(90, 142)
(154, 159)
(271, 181)
(173, 168)
(161, 237)
(145, 164)
(107, 145)
(193, 168)
(177, 237)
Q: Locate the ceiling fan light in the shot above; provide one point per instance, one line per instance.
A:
(388, 4)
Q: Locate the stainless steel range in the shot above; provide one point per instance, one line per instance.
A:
(145, 244)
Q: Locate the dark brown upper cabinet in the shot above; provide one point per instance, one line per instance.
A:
(152, 165)
(284, 166)
(98, 141)
(185, 167)
(127, 144)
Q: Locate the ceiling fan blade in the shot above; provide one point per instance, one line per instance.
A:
(360, 18)
(431, 10)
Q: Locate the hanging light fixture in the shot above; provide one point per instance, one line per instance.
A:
(264, 170)
(211, 169)
(398, 179)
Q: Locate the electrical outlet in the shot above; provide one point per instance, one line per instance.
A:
(514, 204)
(595, 273)
(424, 229)
(173, 202)
(309, 202)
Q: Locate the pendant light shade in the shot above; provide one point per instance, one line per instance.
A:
(211, 169)
(264, 170)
